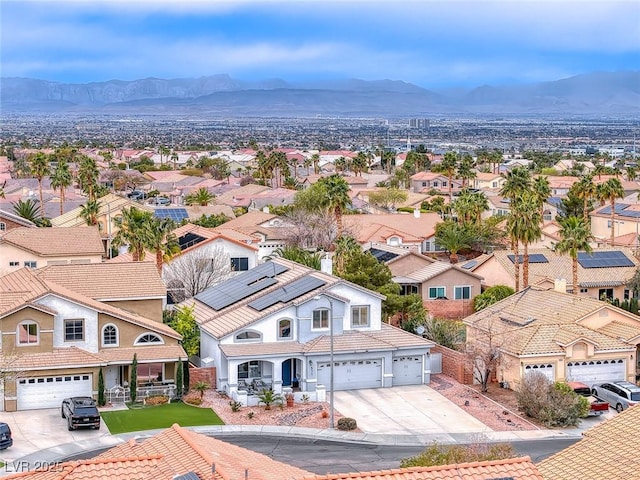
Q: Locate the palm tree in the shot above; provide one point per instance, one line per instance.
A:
(162, 241)
(39, 166)
(134, 231)
(610, 190)
(201, 197)
(452, 237)
(449, 165)
(315, 158)
(61, 179)
(575, 233)
(541, 192)
(28, 209)
(89, 212)
(88, 176)
(466, 170)
(585, 190)
(526, 214)
(337, 198)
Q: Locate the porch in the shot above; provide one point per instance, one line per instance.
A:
(120, 394)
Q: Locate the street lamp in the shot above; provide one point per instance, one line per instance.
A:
(331, 422)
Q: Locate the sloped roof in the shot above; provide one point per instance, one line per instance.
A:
(436, 268)
(379, 227)
(110, 204)
(102, 281)
(50, 242)
(512, 468)
(607, 450)
(16, 218)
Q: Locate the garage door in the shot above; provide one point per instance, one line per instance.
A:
(48, 392)
(596, 371)
(547, 369)
(351, 374)
(407, 370)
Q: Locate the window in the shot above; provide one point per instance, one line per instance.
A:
(239, 264)
(148, 338)
(249, 369)
(424, 184)
(14, 264)
(31, 264)
(248, 336)
(28, 333)
(284, 328)
(494, 184)
(149, 372)
(320, 319)
(437, 292)
(408, 289)
(394, 241)
(360, 316)
(444, 183)
(605, 293)
(435, 184)
(584, 290)
(462, 293)
(74, 330)
(3, 226)
(109, 336)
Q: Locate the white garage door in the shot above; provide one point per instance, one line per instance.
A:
(351, 374)
(407, 370)
(48, 392)
(547, 369)
(596, 371)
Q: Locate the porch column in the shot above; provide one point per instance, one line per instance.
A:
(277, 376)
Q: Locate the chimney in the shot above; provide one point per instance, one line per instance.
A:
(560, 285)
(265, 209)
(326, 265)
(416, 212)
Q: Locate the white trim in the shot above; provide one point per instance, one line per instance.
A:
(110, 345)
(120, 299)
(137, 340)
(27, 344)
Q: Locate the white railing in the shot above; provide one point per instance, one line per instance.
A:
(119, 394)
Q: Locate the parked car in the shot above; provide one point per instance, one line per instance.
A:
(136, 195)
(5, 436)
(620, 395)
(80, 412)
(597, 406)
(160, 201)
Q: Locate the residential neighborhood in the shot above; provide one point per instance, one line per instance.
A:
(263, 278)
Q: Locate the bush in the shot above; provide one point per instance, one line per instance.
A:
(235, 405)
(347, 423)
(532, 394)
(436, 454)
(156, 400)
(192, 399)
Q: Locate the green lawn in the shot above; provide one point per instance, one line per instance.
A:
(159, 416)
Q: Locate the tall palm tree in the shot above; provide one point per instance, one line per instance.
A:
(466, 170)
(585, 189)
(315, 159)
(525, 210)
(88, 176)
(575, 234)
(39, 166)
(541, 192)
(337, 198)
(449, 165)
(134, 231)
(161, 240)
(61, 180)
(89, 212)
(610, 190)
(201, 197)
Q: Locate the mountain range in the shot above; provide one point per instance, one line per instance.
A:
(593, 94)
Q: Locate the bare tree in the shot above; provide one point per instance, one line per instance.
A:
(310, 229)
(10, 368)
(195, 271)
(484, 352)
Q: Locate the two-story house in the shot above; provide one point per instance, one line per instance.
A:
(56, 340)
(427, 181)
(280, 324)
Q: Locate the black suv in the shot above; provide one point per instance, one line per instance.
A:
(5, 436)
(80, 412)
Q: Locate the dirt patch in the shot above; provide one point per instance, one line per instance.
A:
(497, 408)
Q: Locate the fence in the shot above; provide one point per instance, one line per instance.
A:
(120, 394)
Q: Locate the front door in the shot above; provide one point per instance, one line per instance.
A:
(286, 373)
(111, 377)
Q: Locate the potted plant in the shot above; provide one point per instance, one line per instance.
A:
(289, 398)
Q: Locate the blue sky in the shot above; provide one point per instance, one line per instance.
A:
(428, 43)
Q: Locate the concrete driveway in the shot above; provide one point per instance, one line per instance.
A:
(35, 430)
(408, 410)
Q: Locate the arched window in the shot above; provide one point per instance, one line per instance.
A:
(110, 335)
(147, 338)
(28, 333)
(284, 329)
(248, 336)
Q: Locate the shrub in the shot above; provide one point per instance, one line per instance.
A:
(324, 414)
(235, 405)
(347, 423)
(250, 415)
(532, 394)
(156, 400)
(268, 397)
(436, 454)
(192, 398)
(305, 398)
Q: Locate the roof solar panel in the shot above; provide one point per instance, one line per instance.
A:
(533, 258)
(382, 255)
(469, 264)
(613, 258)
(287, 293)
(175, 214)
(189, 240)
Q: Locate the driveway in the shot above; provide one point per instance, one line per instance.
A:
(409, 410)
(35, 430)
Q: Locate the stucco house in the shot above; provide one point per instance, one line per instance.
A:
(10, 221)
(55, 340)
(277, 324)
(563, 336)
(426, 181)
(37, 247)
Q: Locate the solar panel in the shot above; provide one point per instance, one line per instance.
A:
(189, 240)
(613, 258)
(533, 258)
(287, 293)
(382, 255)
(175, 214)
(469, 265)
(241, 286)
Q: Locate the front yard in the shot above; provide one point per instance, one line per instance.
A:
(159, 416)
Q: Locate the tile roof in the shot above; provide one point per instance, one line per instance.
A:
(102, 281)
(560, 266)
(512, 468)
(73, 241)
(68, 357)
(16, 218)
(110, 204)
(379, 227)
(608, 450)
(145, 353)
(533, 330)
(208, 234)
